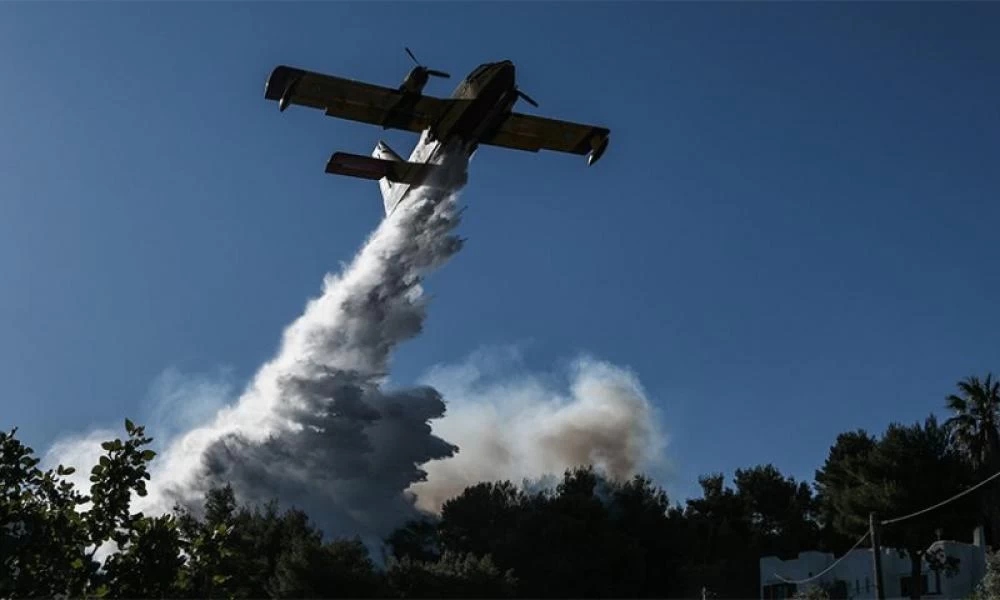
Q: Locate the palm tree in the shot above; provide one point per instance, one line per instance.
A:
(975, 427)
(976, 421)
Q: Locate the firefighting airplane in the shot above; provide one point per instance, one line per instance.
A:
(478, 112)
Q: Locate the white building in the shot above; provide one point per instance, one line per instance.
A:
(855, 573)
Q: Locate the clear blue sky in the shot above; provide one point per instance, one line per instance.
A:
(795, 231)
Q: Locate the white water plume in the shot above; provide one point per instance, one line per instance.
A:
(314, 428)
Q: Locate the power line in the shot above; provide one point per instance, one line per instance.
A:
(890, 522)
(940, 504)
(826, 570)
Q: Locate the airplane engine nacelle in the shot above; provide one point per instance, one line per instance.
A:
(415, 81)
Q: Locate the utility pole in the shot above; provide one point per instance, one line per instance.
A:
(873, 530)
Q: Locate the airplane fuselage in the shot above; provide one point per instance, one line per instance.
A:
(489, 93)
(487, 96)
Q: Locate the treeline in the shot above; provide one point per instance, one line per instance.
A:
(588, 537)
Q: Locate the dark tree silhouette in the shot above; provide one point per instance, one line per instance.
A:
(48, 541)
(901, 473)
(588, 537)
(975, 425)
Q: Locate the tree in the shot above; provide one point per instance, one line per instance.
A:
(901, 473)
(43, 538)
(417, 539)
(720, 555)
(150, 561)
(210, 565)
(989, 586)
(453, 575)
(812, 592)
(641, 511)
(336, 569)
(256, 552)
(51, 534)
(975, 425)
(590, 537)
(485, 519)
(729, 530)
(49, 540)
(839, 473)
(581, 552)
(782, 512)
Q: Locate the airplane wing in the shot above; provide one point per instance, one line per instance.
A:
(353, 100)
(531, 133)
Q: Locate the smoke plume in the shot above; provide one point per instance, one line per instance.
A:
(514, 425)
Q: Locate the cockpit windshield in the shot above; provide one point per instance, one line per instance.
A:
(479, 70)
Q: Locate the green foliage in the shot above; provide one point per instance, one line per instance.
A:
(836, 590)
(117, 475)
(719, 533)
(560, 544)
(728, 530)
(589, 537)
(840, 473)
(417, 539)
(782, 512)
(597, 538)
(989, 586)
(975, 428)
(812, 592)
(897, 475)
(975, 422)
(149, 564)
(43, 537)
(257, 552)
(50, 535)
(451, 576)
(49, 540)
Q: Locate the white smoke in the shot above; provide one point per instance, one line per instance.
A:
(513, 425)
(316, 429)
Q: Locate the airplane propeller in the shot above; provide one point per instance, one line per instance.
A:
(527, 98)
(425, 69)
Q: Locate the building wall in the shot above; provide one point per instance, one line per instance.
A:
(857, 572)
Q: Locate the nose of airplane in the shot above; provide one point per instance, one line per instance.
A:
(506, 69)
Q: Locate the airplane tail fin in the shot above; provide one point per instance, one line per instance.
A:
(390, 171)
(382, 151)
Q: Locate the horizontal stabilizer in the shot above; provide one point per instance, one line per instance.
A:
(366, 167)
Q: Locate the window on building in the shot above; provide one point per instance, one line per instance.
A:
(779, 591)
(906, 586)
(934, 589)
